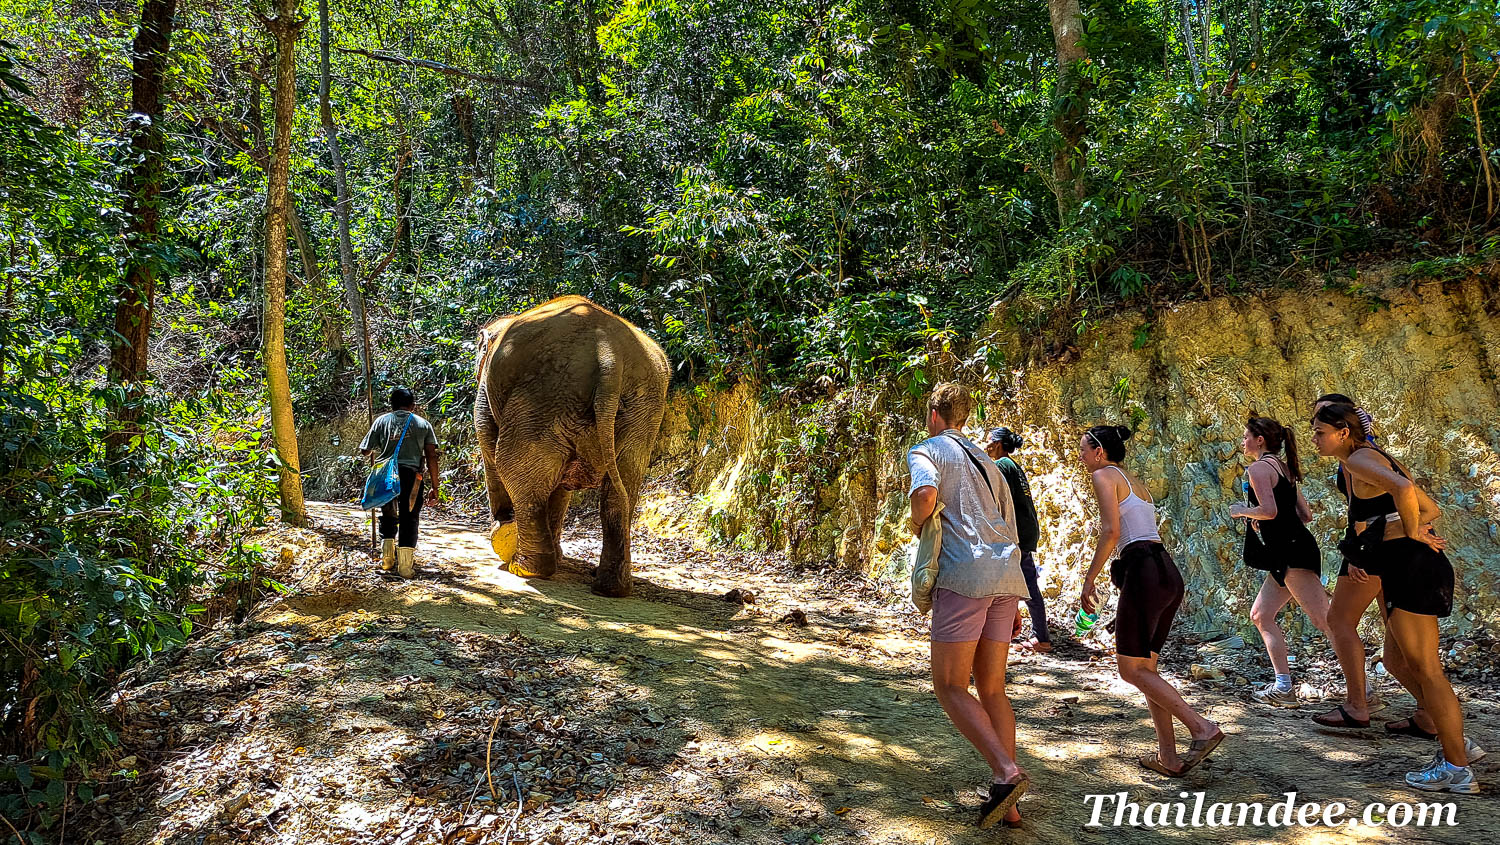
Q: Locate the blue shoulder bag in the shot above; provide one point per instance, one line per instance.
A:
(384, 483)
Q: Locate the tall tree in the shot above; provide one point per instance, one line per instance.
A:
(1185, 20)
(352, 292)
(284, 28)
(136, 294)
(1071, 116)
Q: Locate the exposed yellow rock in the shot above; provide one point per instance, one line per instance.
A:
(827, 481)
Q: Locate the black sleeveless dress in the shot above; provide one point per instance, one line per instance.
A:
(1285, 536)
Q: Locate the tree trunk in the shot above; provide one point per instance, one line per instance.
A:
(80, 89)
(1255, 40)
(401, 186)
(1205, 19)
(136, 294)
(333, 333)
(1071, 115)
(596, 85)
(463, 115)
(333, 336)
(284, 28)
(352, 292)
(1186, 27)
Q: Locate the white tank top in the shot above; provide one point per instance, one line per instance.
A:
(1137, 518)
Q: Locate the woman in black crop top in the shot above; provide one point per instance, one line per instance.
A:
(1279, 514)
(1356, 589)
(1412, 576)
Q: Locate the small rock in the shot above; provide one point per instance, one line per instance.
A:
(1230, 644)
(796, 617)
(232, 807)
(1070, 699)
(1202, 672)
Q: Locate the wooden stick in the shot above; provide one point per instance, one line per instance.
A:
(374, 532)
(489, 744)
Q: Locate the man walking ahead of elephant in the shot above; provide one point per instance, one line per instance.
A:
(417, 466)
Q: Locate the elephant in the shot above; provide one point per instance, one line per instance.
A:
(570, 397)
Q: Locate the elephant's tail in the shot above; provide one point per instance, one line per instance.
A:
(606, 407)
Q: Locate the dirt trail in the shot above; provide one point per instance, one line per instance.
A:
(360, 709)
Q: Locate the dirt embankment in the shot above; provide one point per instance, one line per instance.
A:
(469, 706)
(825, 482)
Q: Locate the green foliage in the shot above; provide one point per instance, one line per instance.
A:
(105, 560)
(804, 194)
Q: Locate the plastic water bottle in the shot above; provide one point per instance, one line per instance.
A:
(1083, 623)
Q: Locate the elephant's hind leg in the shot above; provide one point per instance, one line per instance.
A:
(617, 512)
(613, 577)
(533, 494)
(536, 554)
(557, 512)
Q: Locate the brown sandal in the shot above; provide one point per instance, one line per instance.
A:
(1199, 749)
(1153, 762)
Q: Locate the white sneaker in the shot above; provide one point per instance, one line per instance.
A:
(1443, 779)
(1277, 697)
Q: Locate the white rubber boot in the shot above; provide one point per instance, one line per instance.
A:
(388, 554)
(405, 565)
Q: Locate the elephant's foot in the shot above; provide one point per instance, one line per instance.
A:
(503, 540)
(612, 589)
(613, 585)
(534, 565)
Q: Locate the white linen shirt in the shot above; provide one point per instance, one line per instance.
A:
(980, 555)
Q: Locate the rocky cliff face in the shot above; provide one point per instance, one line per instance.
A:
(827, 481)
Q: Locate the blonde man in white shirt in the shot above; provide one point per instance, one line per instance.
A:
(978, 584)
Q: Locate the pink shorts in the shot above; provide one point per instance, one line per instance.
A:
(959, 619)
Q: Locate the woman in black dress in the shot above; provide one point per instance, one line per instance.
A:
(1277, 541)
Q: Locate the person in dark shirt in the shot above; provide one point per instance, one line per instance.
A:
(417, 466)
(999, 446)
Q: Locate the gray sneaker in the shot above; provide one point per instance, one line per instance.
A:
(1471, 750)
(1443, 779)
(1277, 697)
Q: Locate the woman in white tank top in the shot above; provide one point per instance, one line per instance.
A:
(1151, 590)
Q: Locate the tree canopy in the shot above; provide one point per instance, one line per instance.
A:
(798, 192)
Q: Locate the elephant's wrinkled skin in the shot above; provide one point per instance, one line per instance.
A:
(570, 397)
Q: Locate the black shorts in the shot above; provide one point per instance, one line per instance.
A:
(1344, 568)
(1415, 578)
(1151, 590)
(1301, 553)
